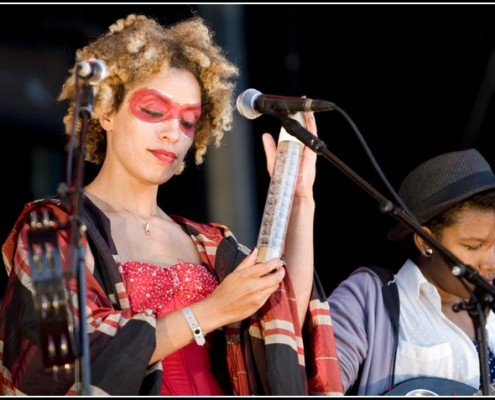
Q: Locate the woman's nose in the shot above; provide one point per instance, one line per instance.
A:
(171, 130)
(488, 262)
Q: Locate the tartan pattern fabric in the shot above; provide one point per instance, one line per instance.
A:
(268, 354)
(110, 326)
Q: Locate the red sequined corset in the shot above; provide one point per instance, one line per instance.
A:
(187, 371)
(153, 287)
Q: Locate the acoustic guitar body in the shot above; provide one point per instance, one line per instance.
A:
(428, 386)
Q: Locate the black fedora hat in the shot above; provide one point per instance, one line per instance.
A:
(437, 184)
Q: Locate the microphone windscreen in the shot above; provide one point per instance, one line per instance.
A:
(245, 103)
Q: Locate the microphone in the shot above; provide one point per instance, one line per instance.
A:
(252, 103)
(93, 70)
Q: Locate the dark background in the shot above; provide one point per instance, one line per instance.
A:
(416, 80)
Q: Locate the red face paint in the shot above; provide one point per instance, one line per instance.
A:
(149, 105)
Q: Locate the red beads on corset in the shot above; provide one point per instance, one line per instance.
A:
(153, 287)
(187, 372)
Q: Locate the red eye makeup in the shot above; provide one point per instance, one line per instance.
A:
(150, 105)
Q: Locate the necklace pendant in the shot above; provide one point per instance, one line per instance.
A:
(147, 227)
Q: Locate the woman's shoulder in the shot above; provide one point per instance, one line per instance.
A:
(209, 230)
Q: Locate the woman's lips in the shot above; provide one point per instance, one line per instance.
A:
(164, 156)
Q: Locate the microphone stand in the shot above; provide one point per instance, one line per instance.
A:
(77, 230)
(482, 298)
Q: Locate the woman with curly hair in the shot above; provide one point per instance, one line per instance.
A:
(174, 307)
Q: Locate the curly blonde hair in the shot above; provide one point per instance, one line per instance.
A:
(137, 47)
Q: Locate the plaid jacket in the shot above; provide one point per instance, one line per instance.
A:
(267, 354)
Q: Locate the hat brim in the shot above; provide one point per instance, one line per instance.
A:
(444, 199)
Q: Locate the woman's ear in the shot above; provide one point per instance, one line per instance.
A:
(423, 246)
(106, 121)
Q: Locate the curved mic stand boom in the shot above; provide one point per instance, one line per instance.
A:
(483, 296)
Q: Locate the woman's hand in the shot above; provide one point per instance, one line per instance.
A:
(245, 289)
(307, 169)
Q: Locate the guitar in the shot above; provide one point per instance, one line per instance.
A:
(49, 296)
(429, 386)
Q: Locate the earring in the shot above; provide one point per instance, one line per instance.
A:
(428, 251)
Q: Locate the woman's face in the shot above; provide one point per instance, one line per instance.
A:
(152, 132)
(472, 240)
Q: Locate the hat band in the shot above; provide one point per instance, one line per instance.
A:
(456, 191)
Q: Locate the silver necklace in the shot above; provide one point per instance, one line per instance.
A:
(146, 224)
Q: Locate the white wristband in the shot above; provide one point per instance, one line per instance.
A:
(193, 324)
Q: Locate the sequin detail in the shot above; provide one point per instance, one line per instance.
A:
(154, 287)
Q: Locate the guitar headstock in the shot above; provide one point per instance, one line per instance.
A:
(49, 296)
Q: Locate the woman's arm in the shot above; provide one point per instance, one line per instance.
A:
(299, 246)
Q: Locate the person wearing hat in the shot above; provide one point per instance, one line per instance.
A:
(427, 343)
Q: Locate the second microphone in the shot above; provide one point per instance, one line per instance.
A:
(252, 103)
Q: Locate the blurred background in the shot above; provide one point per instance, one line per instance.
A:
(416, 80)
